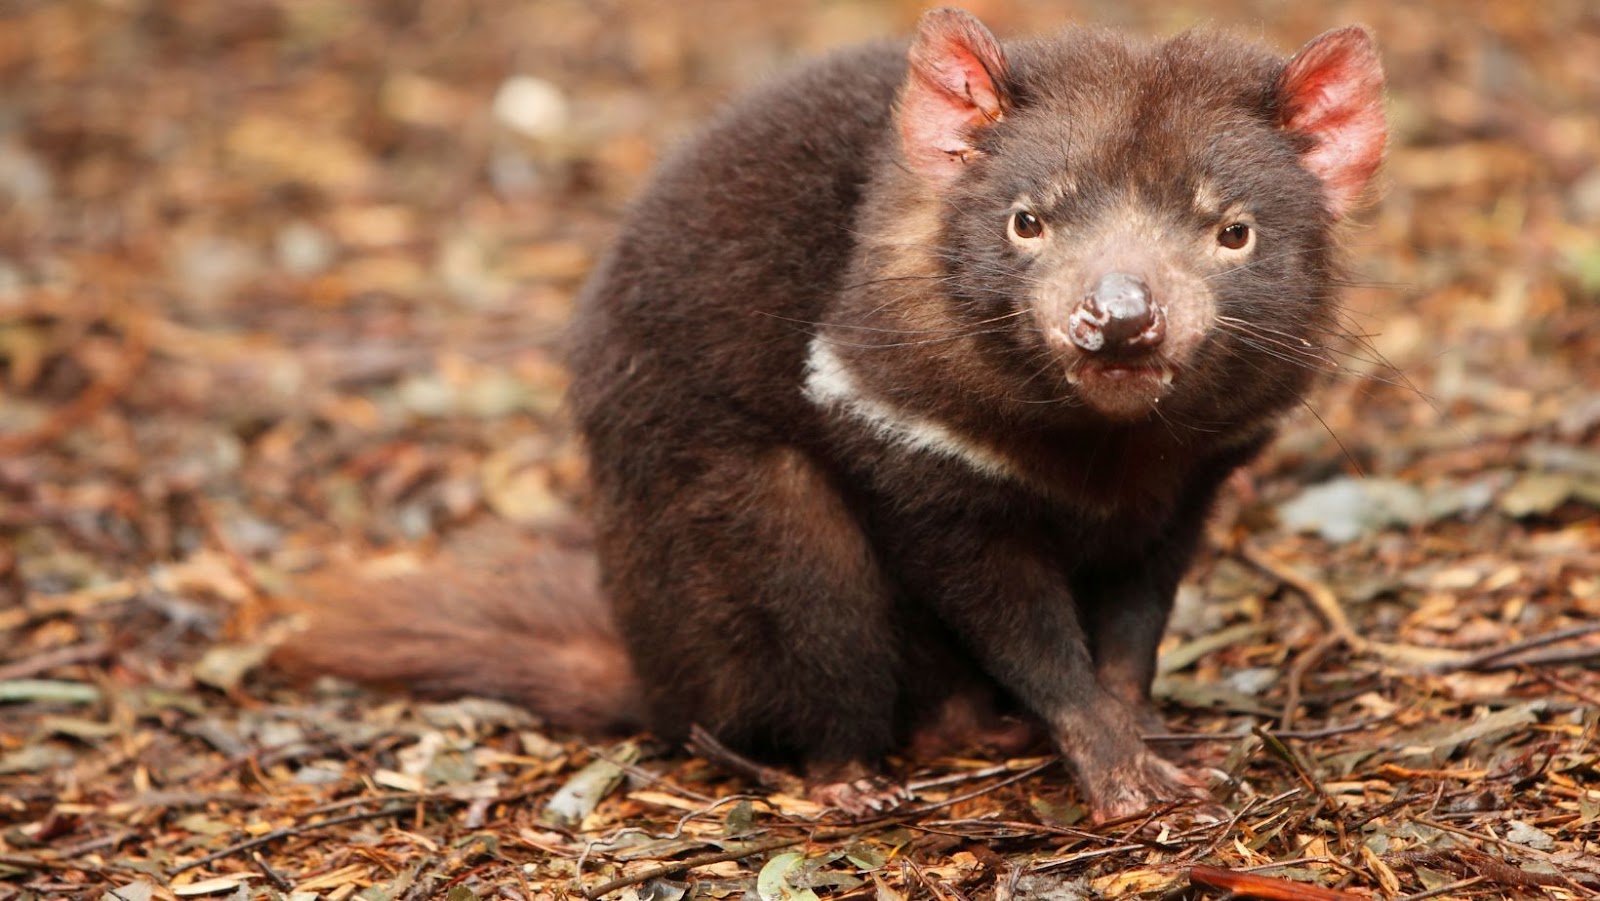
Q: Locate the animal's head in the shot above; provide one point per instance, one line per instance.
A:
(1151, 223)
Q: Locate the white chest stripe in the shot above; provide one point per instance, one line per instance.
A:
(829, 384)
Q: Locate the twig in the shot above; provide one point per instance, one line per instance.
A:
(49, 660)
(1321, 597)
(1056, 863)
(1471, 861)
(1500, 870)
(935, 887)
(1141, 821)
(1326, 604)
(1500, 657)
(1297, 675)
(1291, 862)
(1301, 734)
(1401, 800)
(343, 803)
(79, 849)
(1475, 836)
(1330, 731)
(1041, 829)
(917, 785)
(1018, 776)
(710, 747)
(28, 862)
(288, 832)
(1446, 889)
(707, 745)
(1287, 754)
(1550, 657)
(1227, 828)
(677, 832)
(272, 875)
(739, 852)
(1581, 694)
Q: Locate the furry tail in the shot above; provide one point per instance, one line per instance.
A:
(496, 614)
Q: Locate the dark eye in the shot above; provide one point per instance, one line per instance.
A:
(1235, 236)
(1026, 225)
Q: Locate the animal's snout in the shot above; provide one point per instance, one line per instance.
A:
(1118, 314)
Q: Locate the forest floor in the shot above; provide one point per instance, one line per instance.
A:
(281, 286)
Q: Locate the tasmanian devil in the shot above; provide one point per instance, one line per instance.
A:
(907, 388)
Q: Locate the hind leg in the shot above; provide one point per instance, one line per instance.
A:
(754, 607)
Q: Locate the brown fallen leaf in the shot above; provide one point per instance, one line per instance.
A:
(1250, 885)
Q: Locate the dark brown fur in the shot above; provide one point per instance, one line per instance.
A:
(810, 589)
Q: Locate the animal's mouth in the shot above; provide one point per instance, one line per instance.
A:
(1127, 384)
(1122, 388)
(1089, 370)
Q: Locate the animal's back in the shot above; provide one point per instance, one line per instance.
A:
(703, 308)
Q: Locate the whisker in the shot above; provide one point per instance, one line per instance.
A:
(1354, 463)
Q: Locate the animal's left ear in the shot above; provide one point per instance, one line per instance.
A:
(1332, 91)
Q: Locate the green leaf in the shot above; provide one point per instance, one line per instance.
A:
(775, 883)
(47, 691)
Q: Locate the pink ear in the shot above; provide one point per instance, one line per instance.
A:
(954, 84)
(1332, 90)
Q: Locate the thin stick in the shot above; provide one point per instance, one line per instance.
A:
(1587, 697)
(739, 852)
(917, 785)
(1325, 732)
(1446, 889)
(272, 875)
(1297, 676)
(1018, 776)
(288, 832)
(1546, 657)
(1497, 658)
(705, 744)
(1326, 604)
(49, 660)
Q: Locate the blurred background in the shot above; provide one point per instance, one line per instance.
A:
(282, 283)
(284, 277)
(281, 269)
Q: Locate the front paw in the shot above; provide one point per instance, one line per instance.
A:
(1139, 783)
(1118, 774)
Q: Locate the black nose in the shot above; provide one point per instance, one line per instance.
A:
(1117, 314)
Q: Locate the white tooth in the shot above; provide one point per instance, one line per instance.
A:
(1166, 377)
(1072, 376)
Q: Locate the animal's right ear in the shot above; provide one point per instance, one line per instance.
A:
(955, 84)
